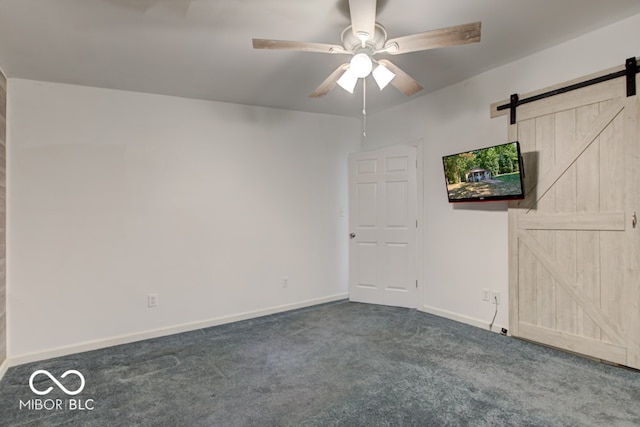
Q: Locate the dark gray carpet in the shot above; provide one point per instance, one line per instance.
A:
(340, 364)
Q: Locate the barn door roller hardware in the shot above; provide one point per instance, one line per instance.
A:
(631, 68)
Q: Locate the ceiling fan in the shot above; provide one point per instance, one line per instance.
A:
(364, 39)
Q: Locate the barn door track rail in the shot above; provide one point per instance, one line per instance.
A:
(631, 68)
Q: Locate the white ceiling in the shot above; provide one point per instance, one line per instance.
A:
(202, 48)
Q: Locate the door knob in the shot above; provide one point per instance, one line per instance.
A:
(352, 235)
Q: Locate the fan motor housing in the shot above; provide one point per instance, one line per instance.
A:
(353, 44)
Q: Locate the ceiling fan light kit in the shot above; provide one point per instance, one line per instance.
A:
(348, 80)
(364, 39)
(383, 76)
(360, 65)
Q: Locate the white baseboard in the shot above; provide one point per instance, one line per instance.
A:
(4, 366)
(157, 333)
(478, 323)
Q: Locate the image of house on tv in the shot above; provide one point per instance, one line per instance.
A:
(477, 175)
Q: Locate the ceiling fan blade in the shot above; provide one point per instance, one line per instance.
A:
(450, 36)
(330, 82)
(301, 46)
(363, 17)
(402, 81)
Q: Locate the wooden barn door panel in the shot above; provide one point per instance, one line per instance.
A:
(573, 249)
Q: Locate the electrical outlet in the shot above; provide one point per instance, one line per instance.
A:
(152, 300)
(486, 294)
(495, 297)
(285, 282)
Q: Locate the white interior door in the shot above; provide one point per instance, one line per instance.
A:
(383, 227)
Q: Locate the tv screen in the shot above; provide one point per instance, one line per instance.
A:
(486, 174)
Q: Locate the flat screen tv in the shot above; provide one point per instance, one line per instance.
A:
(486, 174)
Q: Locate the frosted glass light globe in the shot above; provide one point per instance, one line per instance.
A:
(361, 65)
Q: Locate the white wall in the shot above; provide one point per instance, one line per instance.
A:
(114, 195)
(457, 119)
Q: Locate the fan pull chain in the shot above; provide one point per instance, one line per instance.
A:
(364, 108)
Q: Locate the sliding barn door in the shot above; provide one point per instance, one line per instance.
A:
(574, 245)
